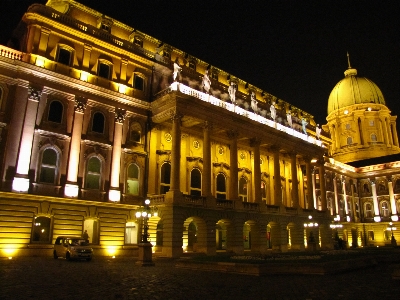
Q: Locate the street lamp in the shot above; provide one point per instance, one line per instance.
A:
(145, 252)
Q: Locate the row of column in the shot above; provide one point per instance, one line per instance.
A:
(233, 187)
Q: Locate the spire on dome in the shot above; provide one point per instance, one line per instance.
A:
(350, 71)
(348, 59)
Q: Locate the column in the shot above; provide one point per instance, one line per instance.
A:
(322, 184)
(44, 39)
(395, 218)
(377, 217)
(206, 176)
(255, 143)
(71, 187)
(384, 131)
(114, 194)
(346, 208)
(124, 65)
(336, 197)
(87, 49)
(234, 185)
(389, 132)
(21, 180)
(314, 192)
(175, 153)
(295, 184)
(277, 177)
(310, 198)
(394, 132)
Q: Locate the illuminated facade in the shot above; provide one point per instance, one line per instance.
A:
(97, 116)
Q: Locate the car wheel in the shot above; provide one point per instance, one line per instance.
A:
(88, 259)
(67, 256)
(55, 254)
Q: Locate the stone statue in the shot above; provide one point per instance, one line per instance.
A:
(177, 69)
(317, 131)
(273, 111)
(289, 119)
(303, 125)
(206, 83)
(253, 102)
(232, 92)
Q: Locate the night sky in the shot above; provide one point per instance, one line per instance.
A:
(294, 50)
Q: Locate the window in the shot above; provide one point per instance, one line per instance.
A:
(93, 173)
(373, 138)
(387, 235)
(64, 56)
(214, 75)
(104, 69)
(371, 123)
(371, 236)
(135, 132)
(368, 210)
(385, 209)
(41, 229)
(138, 41)
(55, 112)
(98, 122)
(195, 182)
(105, 27)
(138, 82)
(131, 233)
(243, 189)
(221, 186)
(192, 65)
(132, 182)
(165, 178)
(348, 126)
(167, 54)
(48, 167)
(264, 191)
(349, 140)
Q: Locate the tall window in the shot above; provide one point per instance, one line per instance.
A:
(132, 182)
(221, 186)
(48, 166)
(41, 230)
(93, 173)
(243, 189)
(135, 132)
(131, 233)
(195, 182)
(264, 191)
(374, 138)
(165, 178)
(138, 82)
(104, 69)
(368, 210)
(385, 209)
(55, 112)
(98, 122)
(349, 140)
(64, 56)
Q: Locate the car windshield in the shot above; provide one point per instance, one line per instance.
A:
(78, 242)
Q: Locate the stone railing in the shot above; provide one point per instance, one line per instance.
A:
(194, 200)
(10, 53)
(272, 208)
(176, 86)
(251, 206)
(225, 203)
(157, 199)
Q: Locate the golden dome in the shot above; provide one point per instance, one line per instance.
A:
(354, 90)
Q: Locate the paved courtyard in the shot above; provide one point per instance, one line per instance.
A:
(120, 278)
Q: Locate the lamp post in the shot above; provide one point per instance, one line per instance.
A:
(145, 251)
(311, 244)
(393, 240)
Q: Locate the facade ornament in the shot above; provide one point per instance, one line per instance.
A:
(232, 134)
(177, 69)
(255, 142)
(34, 94)
(317, 131)
(206, 83)
(273, 111)
(304, 123)
(120, 115)
(289, 119)
(253, 102)
(232, 92)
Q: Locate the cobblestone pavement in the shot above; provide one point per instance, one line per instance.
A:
(120, 278)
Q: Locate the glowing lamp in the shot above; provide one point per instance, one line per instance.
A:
(395, 218)
(114, 195)
(122, 88)
(20, 185)
(40, 62)
(71, 190)
(377, 218)
(84, 76)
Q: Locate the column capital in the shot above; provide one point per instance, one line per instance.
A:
(34, 93)
(232, 134)
(255, 142)
(175, 115)
(208, 125)
(120, 115)
(274, 148)
(80, 104)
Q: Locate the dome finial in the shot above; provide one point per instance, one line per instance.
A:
(348, 59)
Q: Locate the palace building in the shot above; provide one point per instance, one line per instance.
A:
(96, 117)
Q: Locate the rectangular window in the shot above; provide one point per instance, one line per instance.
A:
(371, 235)
(104, 70)
(64, 56)
(138, 41)
(138, 82)
(192, 65)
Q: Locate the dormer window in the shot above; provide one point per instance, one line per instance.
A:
(104, 24)
(105, 27)
(166, 54)
(138, 41)
(192, 65)
(214, 74)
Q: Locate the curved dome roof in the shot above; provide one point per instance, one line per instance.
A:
(354, 90)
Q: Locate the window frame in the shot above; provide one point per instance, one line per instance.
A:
(98, 112)
(195, 191)
(142, 77)
(384, 211)
(224, 194)
(107, 63)
(137, 180)
(47, 166)
(242, 196)
(165, 185)
(62, 47)
(87, 172)
(49, 110)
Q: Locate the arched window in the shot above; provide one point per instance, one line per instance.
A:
(48, 166)
(264, 191)
(368, 210)
(385, 209)
(195, 182)
(349, 140)
(98, 122)
(243, 189)
(132, 181)
(374, 138)
(55, 112)
(135, 132)
(41, 229)
(165, 178)
(221, 186)
(93, 173)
